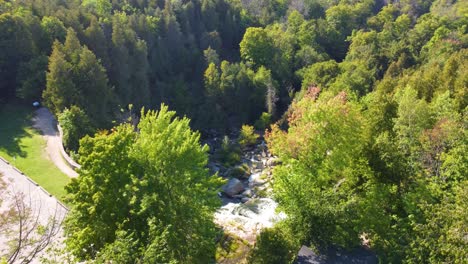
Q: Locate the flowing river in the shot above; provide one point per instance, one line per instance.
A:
(246, 213)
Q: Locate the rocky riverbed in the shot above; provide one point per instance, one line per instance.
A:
(248, 206)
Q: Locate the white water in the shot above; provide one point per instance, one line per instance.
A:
(246, 220)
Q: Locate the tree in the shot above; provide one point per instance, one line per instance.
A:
(257, 47)
(139, 189)
(101, 196)
(322, 167)
(53, 29)
(129, 70)
(440, 238)
(60, 91)
(75, 125)
(320, 74)
(32, 78)
(96, 41)
(247, 136)
(76, 77)
(271, 247)
(413, 118)
(17, 46)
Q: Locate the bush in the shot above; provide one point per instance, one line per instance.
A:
(271, 247)
(263, 122)
(247, 136)
(229, 154)
(75, 124)
(239, 172)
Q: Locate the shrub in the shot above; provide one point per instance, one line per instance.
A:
(75, 124)
(263, 122)
(229, 154)
(271, 247)
(247, 136)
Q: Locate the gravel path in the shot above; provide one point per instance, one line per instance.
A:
(45, 122)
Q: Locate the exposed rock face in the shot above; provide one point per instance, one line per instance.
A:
(233, 187)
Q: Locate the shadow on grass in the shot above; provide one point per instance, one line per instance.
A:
(14, 121)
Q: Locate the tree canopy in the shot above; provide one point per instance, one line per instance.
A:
(144, 195)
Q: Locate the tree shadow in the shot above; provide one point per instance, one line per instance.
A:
(14, 123)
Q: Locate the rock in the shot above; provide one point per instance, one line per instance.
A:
(258, 182)
(257, 179)
(240, 172)
(245, 199)
(214, 167)
(256, 171)
(272, 162)
(259, 166)
(233, 187)
(247, 193)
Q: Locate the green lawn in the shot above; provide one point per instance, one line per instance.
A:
(23, 147)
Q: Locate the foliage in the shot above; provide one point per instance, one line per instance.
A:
(263, 122)
(247, 136)
(271, 247)
(75, 125)
(136, 191)
(229, 153)
(76, 77)
(322, 166)
(374, 154)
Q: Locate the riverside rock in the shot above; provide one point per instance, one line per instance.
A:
(233, 187)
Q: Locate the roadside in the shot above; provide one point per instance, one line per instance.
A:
(25, 148)
(40, 204)
(45, 122)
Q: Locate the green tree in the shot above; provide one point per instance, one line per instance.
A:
(53, 29)
(101, 197)
(440, 239)
(157, 182)
(17, 46)
(413, 118)
(61, 91)
(75, 125)
(322, 167)
(320, 74)
(247, 136)
(32, 78)
(76, 77)
(271, 247)
(257, 47)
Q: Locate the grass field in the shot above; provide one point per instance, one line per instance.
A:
(23, 146)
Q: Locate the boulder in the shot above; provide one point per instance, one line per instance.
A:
(233, 187)
(245, 199)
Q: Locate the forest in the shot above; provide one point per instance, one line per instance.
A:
(363, 102)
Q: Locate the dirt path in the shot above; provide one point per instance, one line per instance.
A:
(45, 122)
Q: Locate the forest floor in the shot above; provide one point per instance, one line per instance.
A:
(25, 148)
